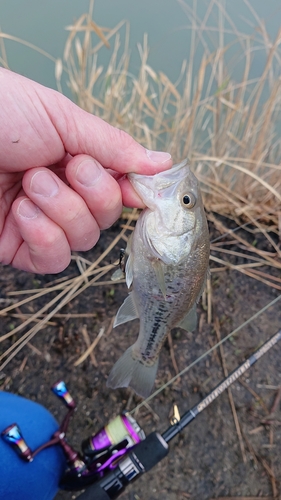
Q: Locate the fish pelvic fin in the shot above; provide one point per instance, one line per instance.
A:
(130, 372)
(127, 311)
(189, 322)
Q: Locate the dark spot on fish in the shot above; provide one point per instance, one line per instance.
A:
(152, 337)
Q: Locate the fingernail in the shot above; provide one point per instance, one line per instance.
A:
(44, 184)
(158, 156)
(27, 209)
(88, 173)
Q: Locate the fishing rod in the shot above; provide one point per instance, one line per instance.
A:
(120, 452)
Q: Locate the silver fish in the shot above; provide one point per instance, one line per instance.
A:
(168, 258)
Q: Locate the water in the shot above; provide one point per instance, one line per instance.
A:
(42, 23)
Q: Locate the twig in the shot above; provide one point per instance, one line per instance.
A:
(67, 316)
(6, 383)
(269, 420)
(243, 498)
(110, 326)
(260, 428)
(230, 396)
(221, 227)
(209, 300)
(88, 344)
(22, 366)
(90, 348)
(269, 387)
(155, 415)
(172, 354)
(276, 402)
(266, 467)
(256, 396)
(34, 349)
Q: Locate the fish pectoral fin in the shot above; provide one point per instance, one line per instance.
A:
(189, 322)
(159, 271)
(127, 312)
(117, 275)
(129, 271)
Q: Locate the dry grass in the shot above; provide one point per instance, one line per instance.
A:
(228, 129)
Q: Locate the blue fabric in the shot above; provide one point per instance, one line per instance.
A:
(39, 479)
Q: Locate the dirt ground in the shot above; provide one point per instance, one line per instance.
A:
(207, 460)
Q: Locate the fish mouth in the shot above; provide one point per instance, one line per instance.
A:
(149, 187)
(174, 174)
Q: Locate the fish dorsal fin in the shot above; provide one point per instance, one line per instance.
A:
(127, 312)
(189, 322)
(159, 271)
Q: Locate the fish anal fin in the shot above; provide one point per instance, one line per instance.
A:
(130, 372)
(189, 322)
(127, 312)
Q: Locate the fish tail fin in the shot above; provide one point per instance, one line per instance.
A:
(130, 372)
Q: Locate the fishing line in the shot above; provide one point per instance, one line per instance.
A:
(187, 368)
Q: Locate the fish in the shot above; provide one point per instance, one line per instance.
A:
(167, 264)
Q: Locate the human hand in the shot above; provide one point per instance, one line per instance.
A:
(61, 175)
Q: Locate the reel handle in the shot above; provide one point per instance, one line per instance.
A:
(13, 436)
(61, 391)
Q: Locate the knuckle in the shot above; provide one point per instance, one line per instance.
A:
(51, 266)
(53, 255)
(123, 140)
(112, 205)
(87, 241)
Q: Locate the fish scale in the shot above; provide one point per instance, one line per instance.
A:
(162, 315)
(167, 266)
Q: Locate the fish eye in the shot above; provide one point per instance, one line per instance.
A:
(188, 200)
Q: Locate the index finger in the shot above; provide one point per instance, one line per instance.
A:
(84, 133)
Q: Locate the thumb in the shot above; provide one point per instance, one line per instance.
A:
(84, 133)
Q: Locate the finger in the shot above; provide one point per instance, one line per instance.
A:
(56, 125)
(129, 195)
(63, 206)
(114, 148)
(84, 133)
(97, 187)
(10, 239)
(45, 248)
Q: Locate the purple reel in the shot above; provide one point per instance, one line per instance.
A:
(122, 429)
(103, 450)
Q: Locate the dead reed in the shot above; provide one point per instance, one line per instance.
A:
(229, 129)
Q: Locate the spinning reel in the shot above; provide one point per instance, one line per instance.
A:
(100, 452)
